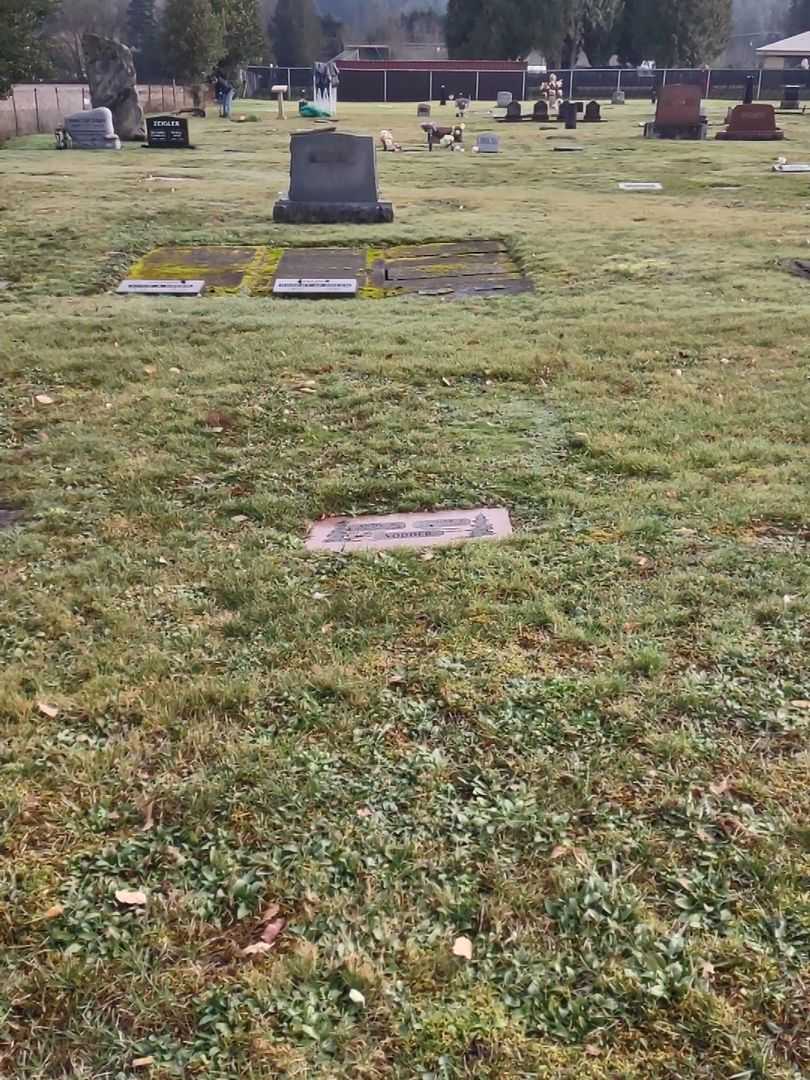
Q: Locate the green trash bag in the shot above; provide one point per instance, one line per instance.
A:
(312, 112)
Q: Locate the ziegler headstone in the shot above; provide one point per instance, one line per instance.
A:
(92, 130)
(167, 133)
(333, 178)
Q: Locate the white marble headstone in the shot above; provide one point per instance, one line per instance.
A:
(92, 130)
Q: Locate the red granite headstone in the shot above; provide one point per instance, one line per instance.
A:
(678, 105)
(752, 122)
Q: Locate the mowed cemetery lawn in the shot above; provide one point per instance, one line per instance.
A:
(582, 749)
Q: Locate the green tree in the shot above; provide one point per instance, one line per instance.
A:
(295, 32)
(242, 33)
(144, 38)
(490, 29)
(21, 54)
(192, 39)
(798, 19)
(674, 33)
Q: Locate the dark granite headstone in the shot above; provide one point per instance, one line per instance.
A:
(540, 112)
(567, 114)
(790, 97)
(593, 113)
(748, 96)
(167, 133)
(514, 112)
(423, 110)
(333, 178)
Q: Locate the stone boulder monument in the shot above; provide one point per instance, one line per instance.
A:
(111, 74)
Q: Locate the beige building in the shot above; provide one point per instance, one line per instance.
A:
(787, 53)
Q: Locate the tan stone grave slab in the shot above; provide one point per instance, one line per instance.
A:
(431, 529)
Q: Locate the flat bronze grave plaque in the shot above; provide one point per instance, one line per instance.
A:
(409, 530)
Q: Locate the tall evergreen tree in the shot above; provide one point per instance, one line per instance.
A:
(295, 33)
(192, 39)
(798, 19)
(144, 38)
(674, 33)
(243, 37)
(21, 56)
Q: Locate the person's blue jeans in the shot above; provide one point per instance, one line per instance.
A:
(227, 101)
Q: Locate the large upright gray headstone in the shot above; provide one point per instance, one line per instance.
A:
(92, 130)
(111, 74)
(333, 178)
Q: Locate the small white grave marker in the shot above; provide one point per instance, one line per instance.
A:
(315, 287)
(628, 185)
(786, 168)
(142, 287)
(488, 143)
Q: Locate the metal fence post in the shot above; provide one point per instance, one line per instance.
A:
(14, 108)
(619, 80)
(56, 92)
(36, 107)
(664, 80)
(477, 85)
(523, 95)
(759, 85)
(430, 86)
(571, 85)
(708, 82)
(385, 85)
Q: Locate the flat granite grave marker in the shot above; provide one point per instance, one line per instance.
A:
(167, 133)
(92, 130)
(641, 185)
(316, 288)
(159, 287)
(341, 534)
(753, 123)
(333, 178)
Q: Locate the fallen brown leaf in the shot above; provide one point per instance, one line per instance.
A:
(270, 913)
(258, 948)
(463, 947)
(219, 420)
(150, 369)
(43, 399)
(131, 898)
(721, 788)
(272, 930)
(50, 711)
(800, 704)
(143, 1063)
(55, 911)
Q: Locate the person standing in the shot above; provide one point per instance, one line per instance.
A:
(224, 92)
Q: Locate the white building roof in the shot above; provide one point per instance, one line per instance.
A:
(798, 45)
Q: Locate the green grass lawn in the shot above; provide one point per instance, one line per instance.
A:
(584, 748)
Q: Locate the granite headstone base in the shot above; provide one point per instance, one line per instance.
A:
(288, 212)
(652, 130)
